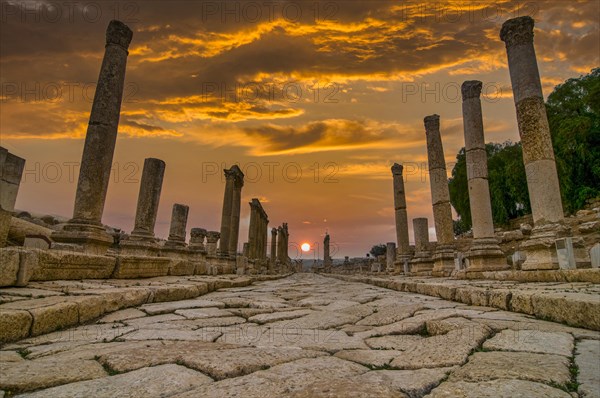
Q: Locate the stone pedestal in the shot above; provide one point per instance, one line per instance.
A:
(212, 237)
(422, 262)
(11, 171)
(440, 198)
(85, 227)
(390, 256)
(538, 154)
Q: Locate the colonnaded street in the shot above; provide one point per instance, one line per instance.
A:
(304, 335)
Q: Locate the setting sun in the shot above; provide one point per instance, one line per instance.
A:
(305, 247)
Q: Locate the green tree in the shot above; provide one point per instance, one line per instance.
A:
(574, 115)
(507, 182)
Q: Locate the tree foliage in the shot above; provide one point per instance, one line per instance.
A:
(574, 115)
(378, 250)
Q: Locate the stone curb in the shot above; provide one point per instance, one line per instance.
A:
(28, 318)
(574, 309)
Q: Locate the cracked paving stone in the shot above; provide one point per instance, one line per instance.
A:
(501, 388)
(414, 383)
(532, 341)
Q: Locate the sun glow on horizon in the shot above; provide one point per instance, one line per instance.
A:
(305, 247)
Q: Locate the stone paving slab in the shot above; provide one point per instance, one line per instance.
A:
(432, 347)
(574, 303)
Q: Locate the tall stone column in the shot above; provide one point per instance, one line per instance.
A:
(484, 253)
(326, 256)
(85, 227)
(422, 263)
(538, 154)
(211, 242)
(253, 230)
(148, 199)
(226, 212)
(440, 198)
(403, 252)
(273, 258)
(236, 202)
(178, 224)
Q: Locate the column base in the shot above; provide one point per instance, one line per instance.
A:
(134, 247)
(540, 249)
(91, 238)
(485, 255)
(421, 264)
(402, 263)
(443, 260)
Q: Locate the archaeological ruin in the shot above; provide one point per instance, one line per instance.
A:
(88, 310)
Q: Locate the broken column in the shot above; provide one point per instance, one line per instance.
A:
(179, 217)
(148, 200)
(538, 154)
(390, 256)
(85, 228)
(421, 263)
(197, 236)
(212, 237)
(443, 256)
(235, 211)
(403, 251)
(484, 253)
(11, 171)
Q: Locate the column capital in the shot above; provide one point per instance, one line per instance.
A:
(517, 31)
(198, 234)
(432, 122)
(397, 169)
(212, 236)
(235, 174)
(273, 231)
(471, 89)
(118, 33)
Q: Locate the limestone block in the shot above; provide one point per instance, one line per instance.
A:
(54, 317)
(14, 324)
(495, 389)
(9, 266)
(575, 309)
(586, 359)
(532, 341)
(58, 264)
(5, 220)
(140, 267)
(181, 267)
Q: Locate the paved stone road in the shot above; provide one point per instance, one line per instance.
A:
(307, 336)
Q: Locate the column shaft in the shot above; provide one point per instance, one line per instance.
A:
(400, 210)
(148, 198)
(178, 224)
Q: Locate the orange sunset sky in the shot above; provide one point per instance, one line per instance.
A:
(315, 100)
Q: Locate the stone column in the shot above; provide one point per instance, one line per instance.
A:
(390, 256)
(148, 199)
(538, 154)
(211, 242)
(11, 170)
(178, 223)
(234, 225)
(401, 216)
(484, 253)
(85, 227)
(440, 198)
(422, 263)
(253, 230)
(326, 256)
(226, 212)
(273, 258)
(197, 236)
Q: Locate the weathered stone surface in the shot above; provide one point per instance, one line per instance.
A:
(210, 312)
(52, 317)
(544, 368)
(532, 341)
(280, 380)
(575, 309)
(445, 350)
(278, 316)
(316, 320)
(390, 314)
(163, 308)
(58, 264)
(587, 360)
(414, 383)
(14, 325)
(10, 356)
(162, 380)
(46, 372)
(399, 342)
(370, 358)
(343, 388)
(9, 266)
(166, 334)
(122, 315)
(495, 389)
